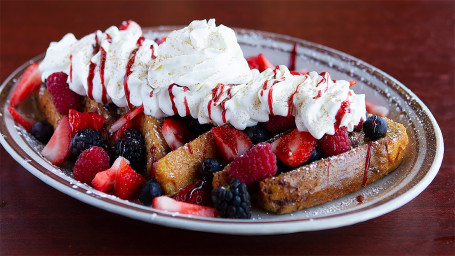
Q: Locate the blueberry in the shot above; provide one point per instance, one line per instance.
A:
(316, 155)
(209, 167)
(42, 131)
(257, 133)
(375, 127)
(149, 191)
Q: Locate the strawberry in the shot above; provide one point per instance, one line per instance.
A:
(79, 121)
(118, 134)
(128, 182)
(89, 163)
(376, 109)
(104, 181)
(126, 118)
(277, 124)
(197, 192)
(175, 133)
(166, 203)
(62, 96)
(338, 143)
(231, 142)
(57, 150)
(295, 148)
(29, 82)
(259, 62)
(256, 164)
(24, 121)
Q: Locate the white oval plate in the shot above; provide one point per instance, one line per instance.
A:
(421, 164)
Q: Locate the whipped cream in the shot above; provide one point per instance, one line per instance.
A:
(189, 64)
(200, 71)
(108, 66)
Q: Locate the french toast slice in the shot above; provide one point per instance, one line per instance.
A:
(327, 179)
(331, 178)
(46, 106)
(155, 145)
(180, 167)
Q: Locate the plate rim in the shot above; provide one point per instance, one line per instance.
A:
(245, 227)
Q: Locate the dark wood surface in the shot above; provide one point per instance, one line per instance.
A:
(411, 40)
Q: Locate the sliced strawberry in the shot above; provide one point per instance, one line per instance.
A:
(256, 164)
(259, 62)
(57, 149)
(277, 124)
(126, 118)
(376, 109)
(79, 121)
(29, 82)
(176, 133)
(24, 121)
(295, 148)
(118, 134)
(128, 182)
(166, 203)
(104, 181)
(231, 142)
(198, 192)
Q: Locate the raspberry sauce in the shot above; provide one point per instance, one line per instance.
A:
(91, 75)
(172, 97)
(102, 67)
(129, 70)
(71, 68)
(293, 57)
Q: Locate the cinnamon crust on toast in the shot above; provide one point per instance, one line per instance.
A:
(46, 106)
(180, 167)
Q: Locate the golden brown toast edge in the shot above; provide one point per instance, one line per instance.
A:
(180, 167)
(46, 106)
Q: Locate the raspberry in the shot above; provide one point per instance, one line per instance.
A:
(64, 99)
(89, 163)
(338, 143)
(256, 164)
(233, 200)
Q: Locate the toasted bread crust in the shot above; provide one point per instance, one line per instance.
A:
(180, 167)
(155, 145)
(331, 178)
(46, 106)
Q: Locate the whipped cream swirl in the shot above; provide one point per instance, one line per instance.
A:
(200, 71)
(108, 66)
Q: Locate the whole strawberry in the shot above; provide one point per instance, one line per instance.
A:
(64, 99)
(338, 143)
(89, 163)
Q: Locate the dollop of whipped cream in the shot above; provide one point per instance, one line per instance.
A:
(189, 64)
(108, 66)
(200, 71)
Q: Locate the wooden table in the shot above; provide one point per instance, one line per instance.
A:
(412, 41)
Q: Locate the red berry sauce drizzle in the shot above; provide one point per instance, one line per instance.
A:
(71, 68)
(293, 57)
(190, 149)
(129, 70)
(172, 97)
(91, 73)
(154, 161)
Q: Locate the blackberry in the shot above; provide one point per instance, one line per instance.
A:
(149, 191)
(195, 127)
(257, 133)
(233, 200)
(42, 131)
(209, 167)
(131, 146)
(375, 127)
(84, 139)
